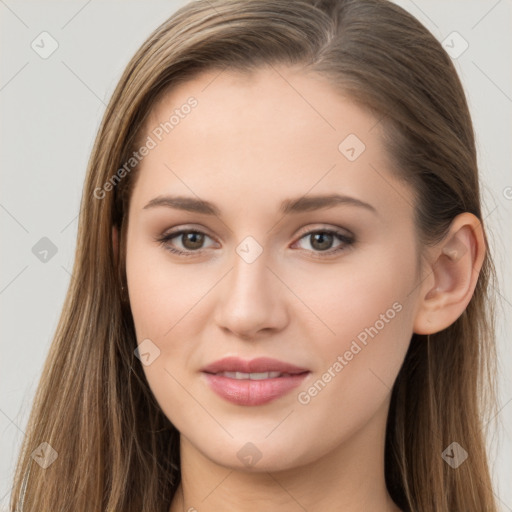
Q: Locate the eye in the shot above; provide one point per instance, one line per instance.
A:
(191, 241)
(322, 240)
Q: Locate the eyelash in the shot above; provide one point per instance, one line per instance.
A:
(347, 242)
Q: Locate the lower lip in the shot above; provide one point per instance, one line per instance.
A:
(253, 392)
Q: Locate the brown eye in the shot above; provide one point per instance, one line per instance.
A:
(192, 240)
(184, 242)
(322, 240)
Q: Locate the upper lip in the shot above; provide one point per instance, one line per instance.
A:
(258, 365)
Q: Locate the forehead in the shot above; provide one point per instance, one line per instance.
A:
(272, 99)
(272, 133)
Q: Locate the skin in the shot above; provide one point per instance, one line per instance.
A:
(252, 142)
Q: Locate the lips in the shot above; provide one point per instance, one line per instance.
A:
(258, 365)
(254, 382)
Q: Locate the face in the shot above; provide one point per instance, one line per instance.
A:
(269, 269)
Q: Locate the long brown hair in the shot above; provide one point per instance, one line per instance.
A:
(116, 450)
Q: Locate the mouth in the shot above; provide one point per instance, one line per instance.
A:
(255, 375)
(254, 382)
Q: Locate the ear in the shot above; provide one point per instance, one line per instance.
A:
(115, 242)
(452, 274)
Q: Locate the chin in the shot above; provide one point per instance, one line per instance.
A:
(256, 456)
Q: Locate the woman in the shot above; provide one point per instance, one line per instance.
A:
(280, 295)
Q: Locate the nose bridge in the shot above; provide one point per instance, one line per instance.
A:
(249, 275)
(250, 299)
(250, 284)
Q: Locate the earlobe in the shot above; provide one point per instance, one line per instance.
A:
(453, 274)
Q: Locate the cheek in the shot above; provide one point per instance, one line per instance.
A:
(162, 295)
(371, 314)
(367, 298)
(165, 301)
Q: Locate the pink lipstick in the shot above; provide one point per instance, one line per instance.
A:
(254, 382)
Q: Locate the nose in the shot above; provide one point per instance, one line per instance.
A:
(251, 299)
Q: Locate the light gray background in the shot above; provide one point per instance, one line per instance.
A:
(51, 109)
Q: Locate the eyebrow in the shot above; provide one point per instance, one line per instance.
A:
(294, 205)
